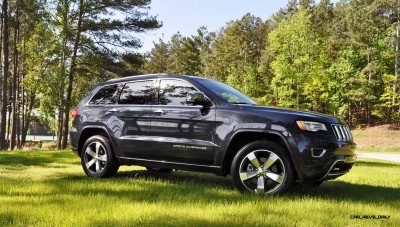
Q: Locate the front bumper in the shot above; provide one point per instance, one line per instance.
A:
(337, 160)
(341, 166)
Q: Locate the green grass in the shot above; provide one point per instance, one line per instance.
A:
(48, 188)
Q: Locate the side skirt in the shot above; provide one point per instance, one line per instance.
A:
(218, 170)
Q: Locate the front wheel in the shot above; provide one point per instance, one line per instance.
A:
(97, 158)
(262, 167)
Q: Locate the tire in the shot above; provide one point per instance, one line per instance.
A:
(158, 170)
(98, 159)
(262, 167)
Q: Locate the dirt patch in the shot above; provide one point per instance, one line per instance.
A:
(377, 136)
(45, 145)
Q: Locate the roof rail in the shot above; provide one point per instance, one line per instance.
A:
(136, 76)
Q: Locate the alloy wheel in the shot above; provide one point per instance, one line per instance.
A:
(262, 171)
(95, 157)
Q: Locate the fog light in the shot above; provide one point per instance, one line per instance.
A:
(317, 152)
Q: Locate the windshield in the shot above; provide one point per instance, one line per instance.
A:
(226, 92)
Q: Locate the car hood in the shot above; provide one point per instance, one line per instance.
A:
(295, 114)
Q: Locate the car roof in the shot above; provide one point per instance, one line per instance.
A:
(150, 76)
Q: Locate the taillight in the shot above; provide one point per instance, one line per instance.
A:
(74, 113)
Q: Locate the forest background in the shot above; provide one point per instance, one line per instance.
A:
(339, 59)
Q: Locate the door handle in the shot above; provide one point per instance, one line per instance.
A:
(160, 112)
(115, 110)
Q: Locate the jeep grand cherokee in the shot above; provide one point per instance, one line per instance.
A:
(166, 122)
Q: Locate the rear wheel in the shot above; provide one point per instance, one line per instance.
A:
(97, 158)
(262, 167)
(158, 170)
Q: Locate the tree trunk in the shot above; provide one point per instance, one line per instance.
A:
(71, 74)
(18, 127)
(14, 82)
(23, 114)
(59, 127)
(5, 76)
(8, 123)
(1, 72)
(65, 8)
(26, 119)
(396, 66)
(24, 132)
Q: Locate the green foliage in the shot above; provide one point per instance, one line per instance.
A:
(159, 58)
(248, 82)
(181, 55)
(42, 77)
(66, 46)
(324, 57)
(335, 58)
(298, 65)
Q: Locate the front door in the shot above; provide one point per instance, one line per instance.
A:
(181, 132)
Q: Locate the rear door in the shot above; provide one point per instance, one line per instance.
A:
(181, 132)
(132, 118)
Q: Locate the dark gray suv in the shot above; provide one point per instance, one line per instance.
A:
(166, 122)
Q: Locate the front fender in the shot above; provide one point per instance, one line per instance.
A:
(274, 130)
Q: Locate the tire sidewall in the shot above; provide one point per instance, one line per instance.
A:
(263, 145)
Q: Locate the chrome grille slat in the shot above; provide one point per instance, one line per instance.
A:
(348, 133)
(342, 132)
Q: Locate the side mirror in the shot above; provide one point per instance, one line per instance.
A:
(196, 97)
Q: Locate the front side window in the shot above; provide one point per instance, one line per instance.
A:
(174, 92)
(137, 93)
(106, 95)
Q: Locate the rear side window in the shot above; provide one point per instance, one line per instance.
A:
(106, 95)
(173, 92)
(137, 93)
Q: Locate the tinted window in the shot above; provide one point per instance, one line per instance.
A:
(106, 95)
(137, 93)
(173, 92)
(226, 92)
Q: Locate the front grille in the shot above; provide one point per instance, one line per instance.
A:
(342, 133)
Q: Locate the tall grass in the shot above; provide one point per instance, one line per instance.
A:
(48, 188)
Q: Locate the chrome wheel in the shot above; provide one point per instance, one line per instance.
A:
(95, 158)
(262, 171)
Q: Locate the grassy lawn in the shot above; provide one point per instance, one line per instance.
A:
(389, 150)
(49, 188)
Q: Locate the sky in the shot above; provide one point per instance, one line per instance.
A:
(186, 16)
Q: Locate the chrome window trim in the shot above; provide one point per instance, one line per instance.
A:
(156, 85)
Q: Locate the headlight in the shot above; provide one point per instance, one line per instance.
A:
(311, 126)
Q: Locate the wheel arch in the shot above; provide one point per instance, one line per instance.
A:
(90, 131)
(243, 137)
